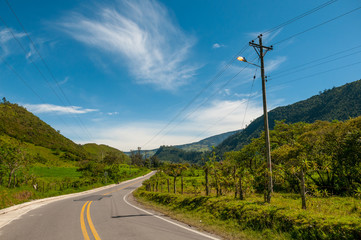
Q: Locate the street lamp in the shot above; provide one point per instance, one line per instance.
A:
(243, 59)
(261, 53)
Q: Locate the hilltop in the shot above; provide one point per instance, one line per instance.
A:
(338, 103)
(18, 123)
(44, 142)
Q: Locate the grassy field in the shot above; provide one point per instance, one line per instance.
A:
(332, 217)
(54, 181)
(326, 218)
(55, 172)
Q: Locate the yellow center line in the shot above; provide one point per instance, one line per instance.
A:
(82, 223)
(90, 222)
(91, 225)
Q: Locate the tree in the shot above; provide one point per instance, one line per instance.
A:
(208, 166)
(13, 158)
(175, 170)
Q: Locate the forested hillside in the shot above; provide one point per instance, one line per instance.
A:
(102, 151)
(207, 143)
(176, 155)
(338, 103)
(36, 161)
(18, 123)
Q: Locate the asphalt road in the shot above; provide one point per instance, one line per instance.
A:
(105, 214)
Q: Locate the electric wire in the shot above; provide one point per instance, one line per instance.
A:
(45, 64)
(224, 117)
(31, 89)
(299, 16)
(21, 79)
(309, 29)
(313, 66)
(316, 26)
(319, 73)
(333, 56)
(209, 97)
(277, 27)
(217, 76)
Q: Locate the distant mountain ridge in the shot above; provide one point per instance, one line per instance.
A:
(207, 143)
(338, 103)
(200, 146)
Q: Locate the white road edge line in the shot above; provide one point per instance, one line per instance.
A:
(7, 215)
(176, 224)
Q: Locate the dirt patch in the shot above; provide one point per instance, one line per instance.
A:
(23, 196)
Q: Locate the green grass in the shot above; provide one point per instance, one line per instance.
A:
(56, 181)
(326, 218)
(55, 172)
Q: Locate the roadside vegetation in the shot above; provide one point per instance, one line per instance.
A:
(36, 161)
(316, 176)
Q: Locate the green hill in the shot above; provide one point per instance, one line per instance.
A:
(176, 155)
(18, 123)
(101, 151)
(338, 103)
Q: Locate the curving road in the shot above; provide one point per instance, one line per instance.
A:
(103, 214)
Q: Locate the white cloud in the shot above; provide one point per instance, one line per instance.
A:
(143, 32)
(6, 35)
(112, 113)
(274, 63)
(267, 38)
(217, 45)
(228, 115)
(66, 79)
(50, 108)
(218, 117)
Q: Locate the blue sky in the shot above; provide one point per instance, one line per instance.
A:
(150, 73)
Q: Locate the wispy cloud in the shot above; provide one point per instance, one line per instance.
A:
(155, 48)
(217, 45)
(274, 63)
(226, 115)
(267, 38)
(50, 108)
(66, 79)
(218, 117)
(6, 40)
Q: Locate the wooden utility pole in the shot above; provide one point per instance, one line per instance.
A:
(261, 53)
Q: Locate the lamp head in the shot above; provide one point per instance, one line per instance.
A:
(242, 59)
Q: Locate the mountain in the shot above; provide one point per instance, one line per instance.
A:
(200, 146)
(177, 155)
(207, 143)
(338, 103)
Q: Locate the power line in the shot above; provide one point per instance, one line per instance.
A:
(313, 66)
(319, 59)
(29, 86)
(319, 73)
(300, 16)
(197, 95)
(45, 64)
(224, 117)
(34, 64)
(21, 78)
(316, 26)
(209, 97)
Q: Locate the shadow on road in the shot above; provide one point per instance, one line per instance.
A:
(134, 215)
(93, 198)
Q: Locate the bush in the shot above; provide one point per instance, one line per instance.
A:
(260, 216)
